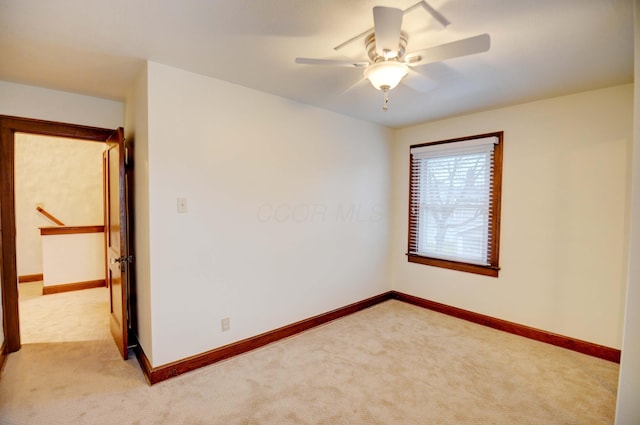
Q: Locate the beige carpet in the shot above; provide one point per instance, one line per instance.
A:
(391, 364)
(62, 317)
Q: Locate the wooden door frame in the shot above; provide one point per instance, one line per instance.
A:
(8, 127)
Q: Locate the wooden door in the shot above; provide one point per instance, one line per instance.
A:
(118, 256)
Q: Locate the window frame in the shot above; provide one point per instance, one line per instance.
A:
(493, 267)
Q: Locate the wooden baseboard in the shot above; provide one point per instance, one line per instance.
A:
(30, 278)
(145, 364)
(76, 286)
(161, 373)
(164, 372)
(574, 344)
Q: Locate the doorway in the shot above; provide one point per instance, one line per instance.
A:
(59, 212)
(114, 140)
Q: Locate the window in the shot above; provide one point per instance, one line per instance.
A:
(454, 203)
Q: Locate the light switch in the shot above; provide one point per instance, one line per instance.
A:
(182, 205)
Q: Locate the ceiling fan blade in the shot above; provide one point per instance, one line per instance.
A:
(431, 11)
(332, 62)
(352, 39)
(467, 46)
(355, 86)
(421, 4)
(418, 82)
(387, 22)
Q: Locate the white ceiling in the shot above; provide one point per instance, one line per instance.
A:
(540, 48)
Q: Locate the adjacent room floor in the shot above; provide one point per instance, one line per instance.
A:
(63, 317)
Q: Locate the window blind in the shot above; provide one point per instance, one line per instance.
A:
(451, 200)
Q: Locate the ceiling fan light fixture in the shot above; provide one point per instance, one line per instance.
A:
(385, 74)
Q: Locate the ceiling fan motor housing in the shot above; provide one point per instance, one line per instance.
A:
(370, 46)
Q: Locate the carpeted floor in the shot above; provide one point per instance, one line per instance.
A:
(62, 317)
(393, 363)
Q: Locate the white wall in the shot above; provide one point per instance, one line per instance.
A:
(628, 408)
(73, 258)
(65, 175)
(287, 211)
(39, 103)
(565, 201)
(136, 131)
(35, 102)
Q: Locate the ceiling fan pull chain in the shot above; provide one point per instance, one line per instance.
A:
(385, 105)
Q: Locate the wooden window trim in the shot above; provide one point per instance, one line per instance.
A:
(454, 265)
(494, 259)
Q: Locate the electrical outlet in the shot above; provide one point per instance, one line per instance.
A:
(225, 324)
(182, 205)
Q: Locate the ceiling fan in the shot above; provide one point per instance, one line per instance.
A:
(386, 45)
